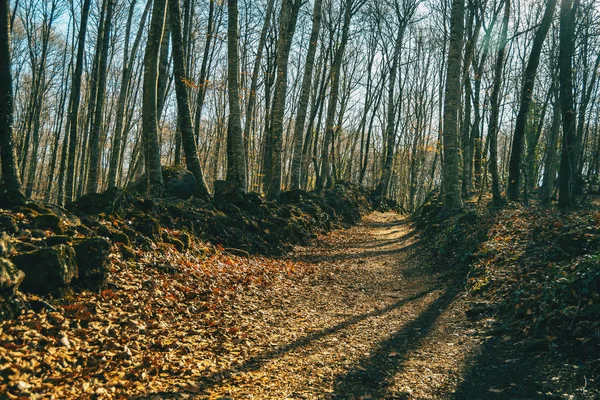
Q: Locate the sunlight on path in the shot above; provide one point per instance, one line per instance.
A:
(373, 325)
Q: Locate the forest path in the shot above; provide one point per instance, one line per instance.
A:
(373, 323)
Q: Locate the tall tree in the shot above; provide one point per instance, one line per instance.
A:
(236, 155)
(250, 105)
(150, 101)
(305, 94)
(287, 26)
(74, 101)
(114, 168)
(10, 171)
(450, 171)
(183, 108)
(94, 146)
(495, 105)
(403, 13)
(514, 169)
(350, 8)
(568, 159)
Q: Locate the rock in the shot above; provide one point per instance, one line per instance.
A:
(146, 225)
(39, 208)
(10, 277)
(26, 211)
(92, 261)
(11, 306)
(115, 235)
(49, 221)
(38, 234)
(55, 240)
(186, 239)
(174, 241)
(5, 245)
(10, 198)
(95, 203)
(47, 269)
(228, 193)
(128, 253)
(8, 224)
(179, 182)
(24, 247)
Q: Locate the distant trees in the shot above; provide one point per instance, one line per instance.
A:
(402, 96)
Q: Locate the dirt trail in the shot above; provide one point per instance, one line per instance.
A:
(371, 325)
(357, 315)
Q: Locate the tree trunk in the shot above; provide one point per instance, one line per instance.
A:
(202, 80)
(10, 171)
(495, 106)
(183, 108)
(94, 163)
(305, 94)
(450, 171)
(114, 168)
(255, 72)
(236, 157)
(514, 169)
(390, 129)
(333, 98)
(568, 159)
(287, 26)
(74, 102)
(151, 147)
(549, 177)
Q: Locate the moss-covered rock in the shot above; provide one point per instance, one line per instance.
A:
(8, 224)
(55, 240)
(11, 198)
(48, 269)
(179, 182)
(115, 235)
(146, 225)
(49, 221)
(10, 277)
(92, 261)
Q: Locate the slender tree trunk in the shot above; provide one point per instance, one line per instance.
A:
(333, 98)
(450, 171)
(289, 16)
(514, 169)
(150, 105)
(183, 108)
(568, 160)
(94, 163)
(202, 80)
(10, 171)
(236, 156)
(390, 129)
(305, 94)
(74, 102)
(549, 177)
(255, 72)
(495, 106)
(128, 59)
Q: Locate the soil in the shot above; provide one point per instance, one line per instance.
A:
(360, 314)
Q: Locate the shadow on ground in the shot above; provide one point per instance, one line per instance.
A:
(370, 378)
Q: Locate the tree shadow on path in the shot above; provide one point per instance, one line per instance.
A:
(371, 377)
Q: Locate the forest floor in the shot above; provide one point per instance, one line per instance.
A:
(360, 314)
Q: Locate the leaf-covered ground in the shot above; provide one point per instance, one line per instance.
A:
(359, 315)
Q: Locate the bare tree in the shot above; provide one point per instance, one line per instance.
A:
(10, 172)
(236, 155)
(150, 101)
